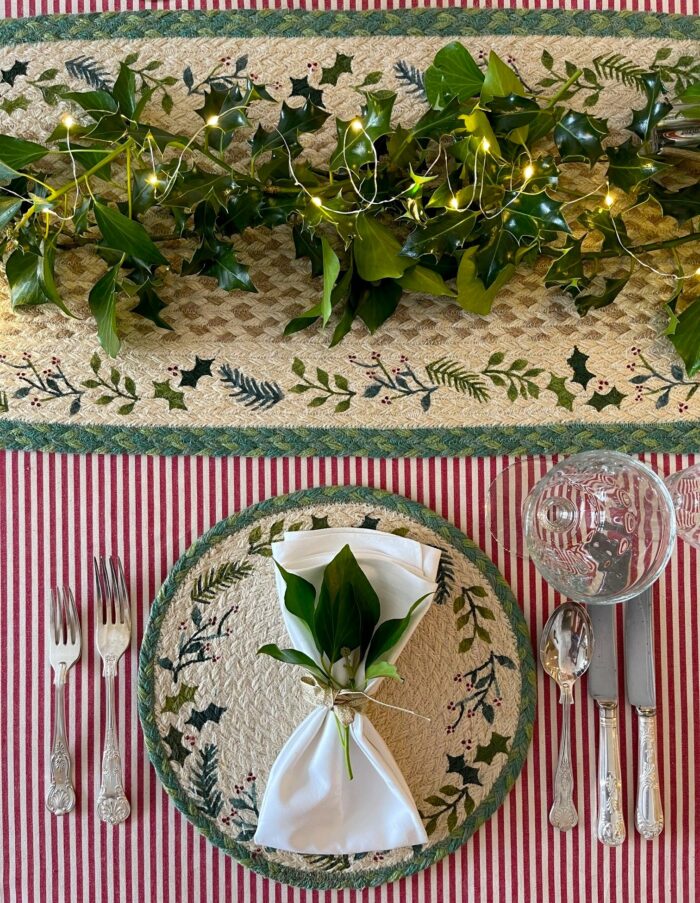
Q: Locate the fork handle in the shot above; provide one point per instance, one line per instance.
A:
(112, 804)
(61, 795)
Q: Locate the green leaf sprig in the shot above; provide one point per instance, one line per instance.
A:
(489, 176)
(343, 624)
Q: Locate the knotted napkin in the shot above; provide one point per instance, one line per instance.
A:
(310, 805)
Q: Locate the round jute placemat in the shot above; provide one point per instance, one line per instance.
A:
(215, 714)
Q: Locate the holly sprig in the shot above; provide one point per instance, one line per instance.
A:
(452, 203)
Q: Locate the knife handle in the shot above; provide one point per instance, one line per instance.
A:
(611, 822)
(649, 813)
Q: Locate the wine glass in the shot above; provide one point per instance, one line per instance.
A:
(685, 493)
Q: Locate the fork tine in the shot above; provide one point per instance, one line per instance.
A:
(62, 625)
(110, 604)
(73, 622)
(99, 592)
(120, 588)
(52, 618)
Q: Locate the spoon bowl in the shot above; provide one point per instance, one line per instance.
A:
(566, 650)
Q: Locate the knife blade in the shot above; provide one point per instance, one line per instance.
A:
(602, 686)
(641, 693)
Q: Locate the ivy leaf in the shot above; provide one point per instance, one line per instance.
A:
(331, 269)
(686, 337)
(500, 80)
(533, 215)
(377, 251)
(176, 400)
(512, 113)
(16, 153)
(599, 401)
(610, 291)
(8, 208)
(10, 76)
(425, 281)
(577, 362)
(331, 74)
(124, 90)
(644, 120)
(565, 398)
(628, 168)
(683, 204)
(103, 304)
(95, 103)
(355, 146)
(202, 367)
(445, 233)
(497, 744)
(579, 136)
(453, 73)
(23, 269)
(472, 294)
(124, 234)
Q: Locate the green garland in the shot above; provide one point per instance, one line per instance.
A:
(486, 179)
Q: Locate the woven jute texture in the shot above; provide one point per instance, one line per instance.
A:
(216, 714)
(226, 363)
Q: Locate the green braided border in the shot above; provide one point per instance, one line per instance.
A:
(304, 441)
(546, 439)
(294, 501)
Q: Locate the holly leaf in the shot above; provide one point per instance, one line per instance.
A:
(178, 752)
(579, 136)
(453, 73)
(200, 717)
(497, 256)
(577, 362)
(10, 76)
(376, 251)
(445, 233)
(202, 367)
(500, 80)
(566, 271)
(184, 695)
(103, 305)
(628, 168)
(376, 303)
(175, 399)
(319, 523)
(686, 337)
(644, 120)
(591, 301)
(497, 744)
(683, 204)
(218, 259)
(472, 294)
(293, 121)
(600, 400)
(512, 113)
(612, 228)
(150, 305)
(331, 74)
(457, 765)
(355, 145)
(565, 398)
(533, 215)
(302, 88)
(306, 244)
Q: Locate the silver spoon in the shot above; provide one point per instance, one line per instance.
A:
(566, 649)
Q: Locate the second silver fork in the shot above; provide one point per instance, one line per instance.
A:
(113, 634)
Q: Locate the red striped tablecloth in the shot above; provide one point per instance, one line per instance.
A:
(57, 511)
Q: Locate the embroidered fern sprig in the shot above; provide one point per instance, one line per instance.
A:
(207, 586)
(205, 780)
(446, 372)
(260, 395)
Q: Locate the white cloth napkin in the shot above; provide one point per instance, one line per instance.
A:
(310, 805)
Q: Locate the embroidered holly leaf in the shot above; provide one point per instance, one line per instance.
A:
(302, 88)
(533, 215)
(577, 362)
(600, 400)
(331, 74)
(178, 752)
(644, 120)
(628, 168)
(565, 398)
(175, 399)
(591, 301)
(184, 695)
(579, 136)
(497, 744)
(10, 76)
(457, 765)
(319, 523)
(199, 717)
(202, 367)
(370, 523)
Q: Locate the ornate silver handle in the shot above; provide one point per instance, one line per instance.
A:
(611, 822)
(563, 813)
(112, 804)
(649, 813)
(61, 795)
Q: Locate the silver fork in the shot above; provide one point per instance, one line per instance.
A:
(113, 634)
(64, 652)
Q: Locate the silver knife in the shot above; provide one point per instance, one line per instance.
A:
(641, 693)
(602, 686)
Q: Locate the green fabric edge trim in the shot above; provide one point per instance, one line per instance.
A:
(426, 442)
(306, 498)
(302, 23)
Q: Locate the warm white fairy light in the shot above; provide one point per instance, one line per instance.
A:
(213, 121)
(609, 200)
(356, 125)
(67, 121)
(454, 203)
(485, 144)
(529, 171)
(152, 179)
(316, 201)
(697, 272)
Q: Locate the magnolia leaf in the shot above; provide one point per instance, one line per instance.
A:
(426, 281)
(453, 73)
(382, 669)
(377, 251)
(644, 120)
(299, 598)
(124, 234)
(293, 657)
(103, 304)
(389, 633)
(331, 74)
(442, 234)
(610, 291)
(686, 337)
(579, 136)
(331, 269)
(472, 295)
(500, 80)
(628, 168)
